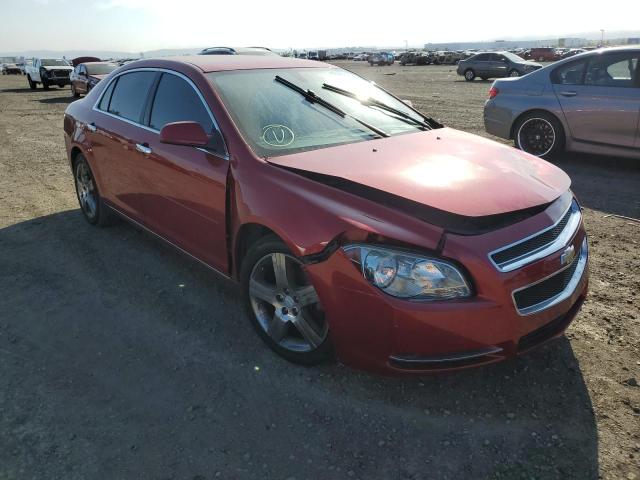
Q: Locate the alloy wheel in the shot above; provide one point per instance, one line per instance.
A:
(514, 73)
(285, 303)
(536, 136)
(85, 187)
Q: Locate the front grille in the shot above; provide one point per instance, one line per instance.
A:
(547, 289)
(533, 243)
(61, 73)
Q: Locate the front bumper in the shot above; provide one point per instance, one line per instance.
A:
(377, 332)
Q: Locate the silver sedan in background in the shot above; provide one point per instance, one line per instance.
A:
(588, 103)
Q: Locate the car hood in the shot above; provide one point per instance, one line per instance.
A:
(54, 67)
(444, 169)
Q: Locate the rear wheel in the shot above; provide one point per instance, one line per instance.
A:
(283, 304)
(469, 75)
(514, 73)
(91, 204)
(539, 134)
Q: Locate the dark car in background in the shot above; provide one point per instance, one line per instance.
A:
(381, 58)
(495, 65)
(588, 103)
(85, 76)
(10, 69)
(542, 54)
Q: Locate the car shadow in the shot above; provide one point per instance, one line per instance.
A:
(605, 183)
(19, 90)
(54, 100)
(124, 354)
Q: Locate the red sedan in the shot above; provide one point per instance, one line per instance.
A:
(356, 226)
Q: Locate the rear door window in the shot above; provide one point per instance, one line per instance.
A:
(176, 101)
(570, 73)
(130, 95)
(483, 57)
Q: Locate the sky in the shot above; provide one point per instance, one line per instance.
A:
(142, 25)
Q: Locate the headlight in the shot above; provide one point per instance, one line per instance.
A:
(407, 275)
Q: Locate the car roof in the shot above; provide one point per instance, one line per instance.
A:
(220, 63)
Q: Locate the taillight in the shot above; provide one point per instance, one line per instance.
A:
(493, 92)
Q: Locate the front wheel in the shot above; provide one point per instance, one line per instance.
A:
(539, 134)
(32, 84)
(74, 92)
(469, 75)
(45, 84)
(283, 305)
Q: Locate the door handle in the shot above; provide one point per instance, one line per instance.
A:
(143, 148)
(92, 127)
(568, 94)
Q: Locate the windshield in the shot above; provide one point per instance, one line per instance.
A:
(276, 120)
(101, 68)
(53, 62)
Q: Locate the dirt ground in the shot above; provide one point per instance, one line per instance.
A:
(120, 358)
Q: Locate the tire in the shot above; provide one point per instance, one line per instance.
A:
(276, 319)
(96, 213)
(469, 75)
(514, 73)
(531, 134)
(32, 84)
(74, 93)
(45, 84)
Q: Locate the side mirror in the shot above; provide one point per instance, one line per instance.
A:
(184, 133)
(82, 74)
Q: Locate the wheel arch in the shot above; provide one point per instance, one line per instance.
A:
(248, 234)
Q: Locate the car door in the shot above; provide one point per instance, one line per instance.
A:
(116, 136)
(184, 188)
(499, 64)
(481, 64)
(600, 98)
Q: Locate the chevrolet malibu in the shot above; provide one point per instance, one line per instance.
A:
(357, 227)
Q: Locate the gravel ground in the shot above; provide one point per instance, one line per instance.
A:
(120, 358)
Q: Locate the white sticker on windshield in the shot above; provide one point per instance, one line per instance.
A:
(278, 135)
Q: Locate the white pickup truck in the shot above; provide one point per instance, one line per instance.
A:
(48, 71)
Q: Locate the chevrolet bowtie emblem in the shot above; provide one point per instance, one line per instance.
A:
(568, 255)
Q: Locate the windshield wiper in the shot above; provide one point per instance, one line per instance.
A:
(311, 97)
(428, 123)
